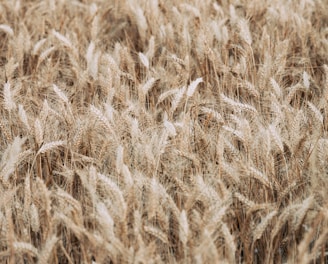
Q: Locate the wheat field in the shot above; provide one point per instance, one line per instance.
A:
(162, 131)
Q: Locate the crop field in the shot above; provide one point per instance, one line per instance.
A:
(164, 131)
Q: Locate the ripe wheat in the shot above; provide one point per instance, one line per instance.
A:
(163, 132)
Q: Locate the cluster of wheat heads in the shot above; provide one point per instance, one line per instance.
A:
(164, 131)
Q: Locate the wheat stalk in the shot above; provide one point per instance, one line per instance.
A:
(27, 194)
(258, 231)
(244, 200)
(60, 93)
(38, 45)
(153, 198)
(192, 86)
(45, 54)
(105, 220)
(23, 247)
(34, 216)
(237, 105)
(9, 103)
(119, 159)
(51, 145)
(7, 29)
(149, 85)
(157, 233)
(177, 98)
(318, 116)
(45, 254)
(144, 60)
(23, 116)
(63, 39)
(38, 131)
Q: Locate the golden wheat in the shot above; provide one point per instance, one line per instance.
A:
(163, 131)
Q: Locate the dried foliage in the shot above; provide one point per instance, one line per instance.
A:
(164, 131)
